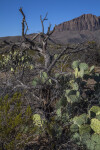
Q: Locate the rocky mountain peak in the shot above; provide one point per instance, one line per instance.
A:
(85, 22)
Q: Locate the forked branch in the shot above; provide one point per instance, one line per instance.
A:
(42, 21)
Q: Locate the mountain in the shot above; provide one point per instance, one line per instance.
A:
(85, 22)
(80, 29)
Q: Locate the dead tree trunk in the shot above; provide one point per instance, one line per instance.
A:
(43, 51)
(23, 24)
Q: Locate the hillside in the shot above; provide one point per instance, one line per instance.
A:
(50, 90)
(81, 29)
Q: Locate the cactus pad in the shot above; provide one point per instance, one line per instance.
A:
(95, 125)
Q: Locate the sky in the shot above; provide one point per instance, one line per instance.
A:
(58, 11)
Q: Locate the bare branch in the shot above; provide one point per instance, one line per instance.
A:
(40, 50)
(49, 29)
(75, 50)
(26, 27)
(23, 27)
(54, 62)
(36, 36)
(22, 12)
(51, 32)
(42, 21)
(45, 18)
(23, 23)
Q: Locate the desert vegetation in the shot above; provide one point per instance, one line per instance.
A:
(49, 94)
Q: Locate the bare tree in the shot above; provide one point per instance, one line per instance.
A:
(42, 50)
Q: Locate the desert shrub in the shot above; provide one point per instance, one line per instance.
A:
(16, 123)
(40, 60)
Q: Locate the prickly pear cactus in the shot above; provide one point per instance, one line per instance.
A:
(35, 81)
(95, 109)
(98, 117)
(58, 112)
(37, 120)
(77, 73)
(75, 64)
(91, 69)
(81, 69)
(74, 85)
(80, 120)
(74, 128)
(83, 66)
(95, 125)
(72, 96)
(91, 142)
(84, 129)
(41, 79)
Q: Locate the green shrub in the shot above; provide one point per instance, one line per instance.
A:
(15, 122)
